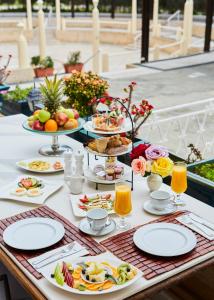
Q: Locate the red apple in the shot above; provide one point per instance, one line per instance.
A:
(61, 118)
(76, 114)
(37, 125)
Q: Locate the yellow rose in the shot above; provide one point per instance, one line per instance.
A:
(162, 166)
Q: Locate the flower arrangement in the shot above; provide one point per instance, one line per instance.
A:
(81, 88)
(139, 111)
(148, 158)
(4, 72)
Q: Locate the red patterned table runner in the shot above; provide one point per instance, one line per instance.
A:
(123, 247)
(72, 233)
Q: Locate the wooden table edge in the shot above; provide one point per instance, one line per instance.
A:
(37, 294)
(24, 281)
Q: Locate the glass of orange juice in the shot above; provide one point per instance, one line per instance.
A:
(179, 181)
(123, 203)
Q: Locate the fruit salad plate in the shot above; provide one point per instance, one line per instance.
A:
(83, 203)
(30, 189)
(92, 275)
(42, 165)
(88, 126)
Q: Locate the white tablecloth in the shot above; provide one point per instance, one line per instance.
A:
(17, 144)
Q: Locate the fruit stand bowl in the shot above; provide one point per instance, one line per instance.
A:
(55, 149)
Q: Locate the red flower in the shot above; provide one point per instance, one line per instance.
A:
(139, 151)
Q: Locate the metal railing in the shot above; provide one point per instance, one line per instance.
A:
(178, 126)
(175, 16)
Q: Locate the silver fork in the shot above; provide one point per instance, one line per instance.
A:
(186, 219)
(67, 249)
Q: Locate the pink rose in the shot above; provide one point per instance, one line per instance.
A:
(139, 165)
(155, 151)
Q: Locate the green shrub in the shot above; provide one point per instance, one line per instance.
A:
(44, 63)
(73, 58)
(18, 94)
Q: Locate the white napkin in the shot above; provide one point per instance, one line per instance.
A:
(195, 228)
(77, 251)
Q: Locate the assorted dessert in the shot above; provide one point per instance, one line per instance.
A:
(105, 201)
(110, 172)
(113, 145)
(41, 165)
(93, 276)
(111, 121)
(28, 186)
(62, 119)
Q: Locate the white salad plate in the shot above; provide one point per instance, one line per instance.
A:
(49, 188)
(126, 127)
(89, 175)
(128, 149)
(75, 201)
(169, 209)
(114, 263)
(85, 227)
(23, 164)
(165, 239)
(33, 233)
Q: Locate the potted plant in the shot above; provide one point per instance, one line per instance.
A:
(81, 88)
(42, 67)
(15, 102)
(73, 62)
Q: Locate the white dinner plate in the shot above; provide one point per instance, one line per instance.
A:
(128, 149)
(125, 128)
(89, 175)
(49, 188)
(23, 164)
(115, 263)
(33, 233)
(165, 239)
(75, 201)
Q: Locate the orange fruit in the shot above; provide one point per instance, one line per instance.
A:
(51, 125)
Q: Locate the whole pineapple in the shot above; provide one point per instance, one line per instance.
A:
(51, 94)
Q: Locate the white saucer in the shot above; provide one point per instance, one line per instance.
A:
(84, 226)
(150, 209)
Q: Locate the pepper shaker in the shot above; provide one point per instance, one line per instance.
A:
(79, 156)
(68, 164)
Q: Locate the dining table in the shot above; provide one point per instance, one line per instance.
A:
(18, 144)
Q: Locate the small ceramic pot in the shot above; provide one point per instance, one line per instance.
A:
(43, 72)
(69, 68)
(154, 182)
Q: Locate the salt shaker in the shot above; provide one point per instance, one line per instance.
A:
(68, 164)
(79, 156)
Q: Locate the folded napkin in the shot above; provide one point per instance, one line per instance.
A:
(195, 226)
(77, 251)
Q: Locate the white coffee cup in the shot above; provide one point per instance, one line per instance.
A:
(97, 218)
(160, 199)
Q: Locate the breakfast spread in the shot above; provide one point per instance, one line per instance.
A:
(28, 186)
(105, 201)
(41, 165)
(93, 276)
(112, 145)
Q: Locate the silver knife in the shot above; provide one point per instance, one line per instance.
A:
(201, 221)
(39, 266)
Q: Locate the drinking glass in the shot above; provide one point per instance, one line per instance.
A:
(122, 203)
(179, 181)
